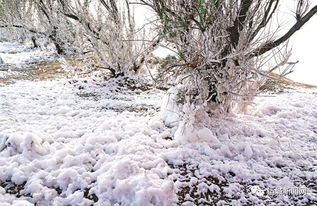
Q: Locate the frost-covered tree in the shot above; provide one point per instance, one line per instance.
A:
(39, 18)
(57, 28)
(105, 29)
(108, 31)
(222, 47)
(15, 15)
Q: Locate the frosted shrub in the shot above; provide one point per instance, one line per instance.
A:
(107, 30)
(222, 48)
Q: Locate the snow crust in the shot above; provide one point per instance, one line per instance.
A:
(52, 139)
(15, 55)
(88, 142)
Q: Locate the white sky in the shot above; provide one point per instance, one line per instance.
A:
(305, 50)
(304, 44)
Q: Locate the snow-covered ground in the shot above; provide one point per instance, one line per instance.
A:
(15, 55)
(88, 142)
(20, 60)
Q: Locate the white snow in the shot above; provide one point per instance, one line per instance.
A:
(51, 138)
(90, 142)
(170, 112)
(8, 47)
(15, 55)
(27, 57)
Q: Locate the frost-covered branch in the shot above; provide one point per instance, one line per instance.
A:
(221, 45)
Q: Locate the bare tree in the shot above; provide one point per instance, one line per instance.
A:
(222, 47)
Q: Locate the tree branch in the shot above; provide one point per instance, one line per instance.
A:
(267, 16)
(239, 22)
(299, 24)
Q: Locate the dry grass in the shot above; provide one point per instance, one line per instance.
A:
(39, 71)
